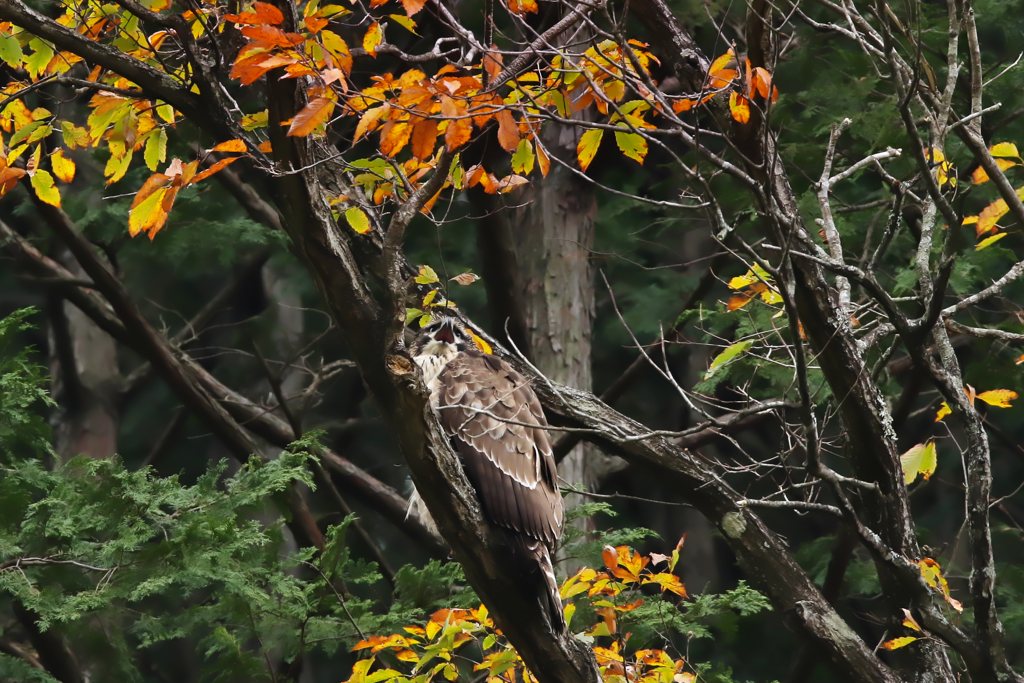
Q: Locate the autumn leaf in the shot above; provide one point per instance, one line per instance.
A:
(480, 342)
(213, 169)
(522, 160)
(466, 278)
(63, 167)
(632, 145)
(943, 411)
(394, 136)
(314, 114)
(586, 150)
(42, 183)
(413, 6)
(729, 354)
(1004, 149)
(909, 621)
(739, 107)
(231, 146)
(610, 556)
(147, 213)
(999, 398)
(508, 130)
(989, 241)
(543, 161)
(921, 459)
(426, 276)
(424, 138)
(374, 37)
(459, 130)
(668, 582)
(405, 22)
(358, 220)
(897, 643)
(980, 175)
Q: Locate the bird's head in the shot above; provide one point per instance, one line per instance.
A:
(442, 337)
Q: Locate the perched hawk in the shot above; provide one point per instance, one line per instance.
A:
(484, 405)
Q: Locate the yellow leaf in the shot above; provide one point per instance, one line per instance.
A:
(999, 398)
(147, 213)
(522, 160)
(943, 411)
(358, 219)
(374, 36)
(543, 161)
(909, 621)
(739, 107)
(231, 146)
(480, 342)
(989, 241)
(586, 150)
(897, 643)
(632, 145)
(1004, 149)
(368, 121)
(426, 276)
(42, 183)
(405, 22)
(937, 156)
(921, 459)
(63, 167)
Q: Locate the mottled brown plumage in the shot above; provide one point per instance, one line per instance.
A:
(496, 424)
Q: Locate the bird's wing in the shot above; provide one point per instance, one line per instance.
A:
(480, 397)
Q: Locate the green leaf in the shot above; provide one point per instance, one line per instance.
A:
(10, 51)
(37, 61)
(42, 183)
(632, 145)
(921, 459)
(411, 314)
(726, 356)
(587, 147)
(358, 219)
(156, 149)
(24, 133)
(426, 276)
(522, 160)
(253, 121)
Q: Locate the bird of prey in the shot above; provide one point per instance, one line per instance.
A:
(489, 410)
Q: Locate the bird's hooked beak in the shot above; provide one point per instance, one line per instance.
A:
(446, 334)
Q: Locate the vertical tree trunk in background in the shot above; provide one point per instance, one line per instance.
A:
(85, 380)
(553, 237)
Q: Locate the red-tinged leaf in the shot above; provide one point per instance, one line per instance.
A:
(63, 167)
(610, 556)
(314, 24)
(543, 161)
(394, 136)
(739, 301)
(587, 147)
(42, 183)
(268, 14)
(897, 643)
(358, 220)
(213, 169)
(272, 36)
(1019, 360)
(413, 6)
(739, 107)
(424, 138)
(762, 82)
(231, 146)
(11, 173)
(313, 115)
(519, 7)
(146, 213)
(265, 147)
(377, 3)
(508, 130)
(374, 37)
(429, 205)
(679, 106)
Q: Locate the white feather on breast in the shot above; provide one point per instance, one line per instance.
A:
(435, 356)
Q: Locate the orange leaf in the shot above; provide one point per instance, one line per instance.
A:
(268, 14)
(682, 105)
(314, 24)
(610, 557)
(762, 82)
(394, 136)
(312, 115)
(231, 146)
(413, 6)
(368, 121)
(492, 63)
(508, 131)
(374, 36)
(213, 169)
(543, 161)
(424, 137)
(265, 147)
(459, 130)
(739, 106)
(155, 182)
